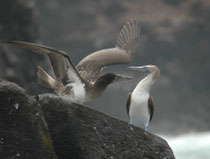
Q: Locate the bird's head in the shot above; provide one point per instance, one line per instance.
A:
(147, 68)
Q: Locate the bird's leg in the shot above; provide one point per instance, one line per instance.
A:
(145, 130)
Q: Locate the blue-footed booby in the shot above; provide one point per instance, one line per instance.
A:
(139, 103)
(83, 83)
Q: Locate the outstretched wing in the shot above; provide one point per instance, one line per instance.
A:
(150, 107)
(61, 63)
(128, 103)
(127, 42)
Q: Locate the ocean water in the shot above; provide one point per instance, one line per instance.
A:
(190, 146)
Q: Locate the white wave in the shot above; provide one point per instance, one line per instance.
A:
(190, 146)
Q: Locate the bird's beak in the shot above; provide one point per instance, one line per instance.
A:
(143, 68)
(120, 77)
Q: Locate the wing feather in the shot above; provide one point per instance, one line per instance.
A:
(150, 107)
(128, 103)
(61, 63)
(127, 42)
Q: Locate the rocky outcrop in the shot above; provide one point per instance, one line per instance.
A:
(32, 127)
(91, 134)
(23, 131)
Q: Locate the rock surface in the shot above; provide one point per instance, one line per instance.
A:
(23, 131)
(91, 134)
(76, 131)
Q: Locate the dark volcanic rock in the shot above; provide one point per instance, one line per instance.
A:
(23, 131)
(77, 132)
(83, 133)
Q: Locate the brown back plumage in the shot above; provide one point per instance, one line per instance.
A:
(128, 102)
(150, 107)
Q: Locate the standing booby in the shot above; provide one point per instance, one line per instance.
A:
(83, 83)
(139, 103)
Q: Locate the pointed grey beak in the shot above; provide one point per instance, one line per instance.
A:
(143, 68)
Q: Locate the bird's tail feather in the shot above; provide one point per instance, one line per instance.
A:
(46, 80)
(129, 36)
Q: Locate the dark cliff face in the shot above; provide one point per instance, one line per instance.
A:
(19, 20)
(47, 126)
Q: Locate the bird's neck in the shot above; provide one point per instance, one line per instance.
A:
(145, 84)
(98, 87)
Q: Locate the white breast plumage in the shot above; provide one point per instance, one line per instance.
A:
(139, 113)
(78, 91)
(139, 102)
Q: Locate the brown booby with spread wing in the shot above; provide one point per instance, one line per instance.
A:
(139, 103)
(83, 83)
